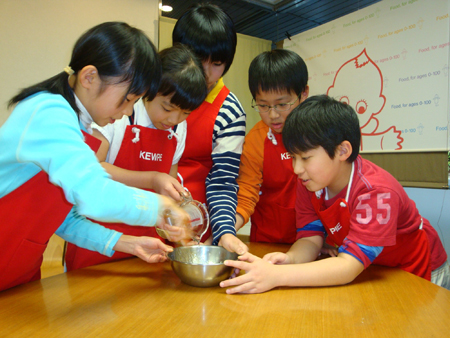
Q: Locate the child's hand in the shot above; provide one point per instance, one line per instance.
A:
(327, 249)
(233, 244)
(167, 185)
(176, 227)
(260, 275)
(277, 258)
(149, 249)
(177, 234)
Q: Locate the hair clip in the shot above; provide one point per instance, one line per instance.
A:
(69, 70)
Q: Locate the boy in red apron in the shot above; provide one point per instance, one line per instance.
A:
(267, 184)
(210, 163)
(143, 150)
(355, 204)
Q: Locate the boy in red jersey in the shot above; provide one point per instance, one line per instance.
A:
(359, 206)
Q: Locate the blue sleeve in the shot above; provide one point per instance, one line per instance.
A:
(80, 231)
(221, 185)
(364, 253)
(313, 226)
(52, 140)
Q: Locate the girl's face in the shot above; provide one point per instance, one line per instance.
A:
(213, 72)
(109, 105)
(165, 115)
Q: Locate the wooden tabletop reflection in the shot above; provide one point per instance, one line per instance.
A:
(131, 298)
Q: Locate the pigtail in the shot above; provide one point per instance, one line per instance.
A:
(58, 84)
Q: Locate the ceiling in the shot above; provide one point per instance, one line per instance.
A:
(275, 20)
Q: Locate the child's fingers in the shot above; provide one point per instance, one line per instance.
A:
(247, 257)
(274, 257)
(241, 265)
(235, 273)
(240, 280)
(165, 247)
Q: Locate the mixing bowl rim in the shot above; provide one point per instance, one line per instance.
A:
(208, 264)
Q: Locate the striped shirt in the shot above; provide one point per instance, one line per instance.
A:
(221, 186)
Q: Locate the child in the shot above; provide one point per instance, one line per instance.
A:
(141, 150)
(50, 179)
(210, 162)
(358, 205)
(278, 83)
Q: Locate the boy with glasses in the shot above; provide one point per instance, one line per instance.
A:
(267, 184)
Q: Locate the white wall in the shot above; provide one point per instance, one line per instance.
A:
(37, 36)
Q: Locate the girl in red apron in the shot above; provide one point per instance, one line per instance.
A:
(210, 164)
(50, 178)
(144, 149)
(196, 162)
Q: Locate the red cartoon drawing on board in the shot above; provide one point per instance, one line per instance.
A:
(359, 83)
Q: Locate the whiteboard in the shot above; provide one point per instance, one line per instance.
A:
(389, 61)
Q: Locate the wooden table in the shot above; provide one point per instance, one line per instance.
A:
(131, 298)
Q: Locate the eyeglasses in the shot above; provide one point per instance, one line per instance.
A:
(280, 107)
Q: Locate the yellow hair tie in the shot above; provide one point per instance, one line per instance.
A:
(69, 70)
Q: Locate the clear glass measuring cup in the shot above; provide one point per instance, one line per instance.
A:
(198, 218)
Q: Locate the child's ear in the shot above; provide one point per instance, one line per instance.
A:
(87, 76)
(344, 150)
(304, 94)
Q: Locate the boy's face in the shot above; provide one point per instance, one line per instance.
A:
(165, 115)
(275, 117)
(316, 170)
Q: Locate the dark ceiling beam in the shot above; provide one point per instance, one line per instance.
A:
(261, 4)
(280, 7)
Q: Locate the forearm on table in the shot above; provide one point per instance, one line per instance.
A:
(305, 249)
(339, 270)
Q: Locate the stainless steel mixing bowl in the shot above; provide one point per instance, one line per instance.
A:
(201, 265)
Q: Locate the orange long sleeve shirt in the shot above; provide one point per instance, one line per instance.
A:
(251, 170)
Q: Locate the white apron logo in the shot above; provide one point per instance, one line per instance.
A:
(145, 155)
(285, 156)
(336, 228)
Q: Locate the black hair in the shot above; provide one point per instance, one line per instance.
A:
(117, 50)
(182, 76)
(277, 70)
(321, 121)
(209, 31)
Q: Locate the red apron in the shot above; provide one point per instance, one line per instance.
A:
(142, 149)
(274, 217)
(196, 161)
(410, 253)
(29, 216)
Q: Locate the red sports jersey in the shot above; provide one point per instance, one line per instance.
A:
(379, 207)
